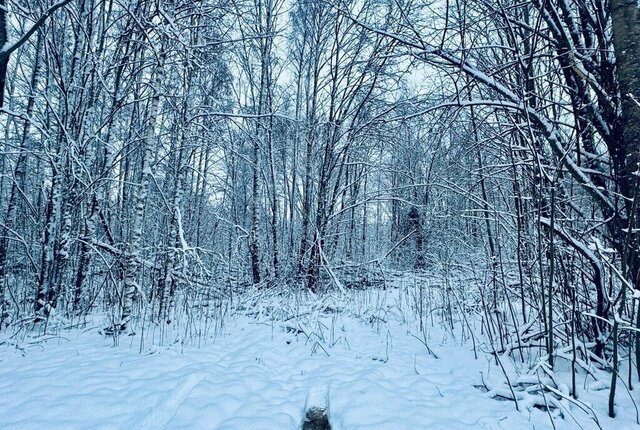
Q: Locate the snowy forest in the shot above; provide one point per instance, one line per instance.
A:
(464, 172)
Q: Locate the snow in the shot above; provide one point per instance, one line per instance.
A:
(359, 356)
(5, 47)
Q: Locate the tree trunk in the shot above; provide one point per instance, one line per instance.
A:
(625, 15)
(626, 40)
(133, 254)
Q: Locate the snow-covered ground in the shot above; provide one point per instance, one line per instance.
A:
(362, 353)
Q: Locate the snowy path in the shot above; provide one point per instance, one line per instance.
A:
(257, 375)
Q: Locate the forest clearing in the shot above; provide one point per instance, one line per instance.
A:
(314, 214)
(369, 358)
